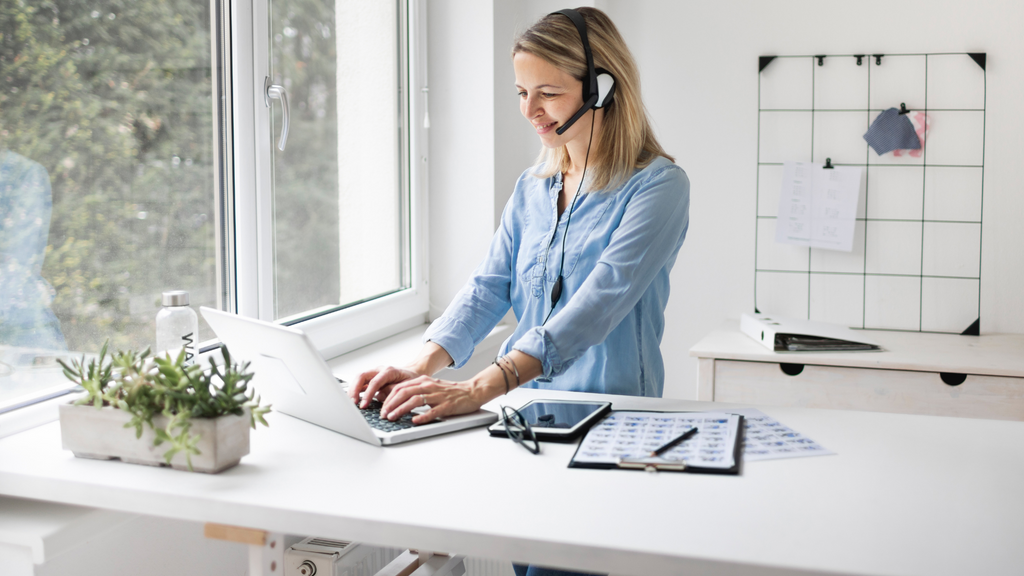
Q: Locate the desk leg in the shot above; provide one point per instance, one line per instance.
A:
(268, 559)
(413, 563)
(706, 379)
(439, 565)
(266, 549)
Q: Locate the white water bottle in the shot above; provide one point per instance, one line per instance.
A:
(177, 327)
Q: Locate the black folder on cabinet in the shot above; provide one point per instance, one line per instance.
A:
(625, 440)
(793, 335)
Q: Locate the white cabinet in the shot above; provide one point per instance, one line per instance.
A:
(916, 373)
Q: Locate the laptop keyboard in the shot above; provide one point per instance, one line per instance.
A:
(374, 419)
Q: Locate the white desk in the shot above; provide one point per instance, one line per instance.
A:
(905, 495)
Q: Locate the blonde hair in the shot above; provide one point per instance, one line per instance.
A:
(627, 141)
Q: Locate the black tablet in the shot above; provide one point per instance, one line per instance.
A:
(558, 420)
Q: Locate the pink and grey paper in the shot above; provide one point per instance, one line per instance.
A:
(898, 133)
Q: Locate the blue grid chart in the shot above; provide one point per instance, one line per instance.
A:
(916, 262)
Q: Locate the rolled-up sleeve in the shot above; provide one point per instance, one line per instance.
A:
(647, 239)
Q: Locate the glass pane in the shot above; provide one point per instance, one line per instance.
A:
(107, 177)
(338, 203)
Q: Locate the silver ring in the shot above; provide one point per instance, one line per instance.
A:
(424, 398)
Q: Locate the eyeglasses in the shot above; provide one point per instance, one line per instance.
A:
(518, 429)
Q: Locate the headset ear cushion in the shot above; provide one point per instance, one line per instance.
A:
(605, 88)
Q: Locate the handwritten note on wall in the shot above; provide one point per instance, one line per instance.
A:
(818, 206)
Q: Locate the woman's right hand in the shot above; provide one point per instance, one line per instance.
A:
(378, 383)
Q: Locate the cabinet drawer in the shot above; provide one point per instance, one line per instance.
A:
(876, 390)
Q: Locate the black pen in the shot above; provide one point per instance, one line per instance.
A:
(674, 441)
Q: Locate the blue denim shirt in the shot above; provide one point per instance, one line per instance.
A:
(605, 332)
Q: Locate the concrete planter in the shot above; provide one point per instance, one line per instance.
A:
(100, 433)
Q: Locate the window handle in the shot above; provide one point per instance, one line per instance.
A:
(277, 92)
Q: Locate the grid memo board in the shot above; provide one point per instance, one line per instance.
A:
(916, 261)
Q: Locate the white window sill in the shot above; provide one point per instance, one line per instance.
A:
(397, 350)
(33, 415)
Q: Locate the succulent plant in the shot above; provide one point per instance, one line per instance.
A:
(147, 386)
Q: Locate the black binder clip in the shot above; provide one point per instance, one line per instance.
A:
(860, 59)
(878, 59)
(821, 59)
(828, 164)
(903, 109)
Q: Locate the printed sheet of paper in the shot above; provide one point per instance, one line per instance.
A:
(634, 435)
(817, 206)
(765, 438)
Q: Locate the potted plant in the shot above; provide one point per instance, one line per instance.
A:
(183, 416)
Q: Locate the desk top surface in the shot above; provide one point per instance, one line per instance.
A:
(988, 354)
(904, 494)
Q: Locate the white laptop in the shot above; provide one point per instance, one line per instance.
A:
(291, 375)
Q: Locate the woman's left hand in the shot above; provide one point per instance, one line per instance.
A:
(443, 397)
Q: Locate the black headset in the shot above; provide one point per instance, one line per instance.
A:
(598, 91)
(599, 85)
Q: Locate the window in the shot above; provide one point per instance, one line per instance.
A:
(106, 177)
(338, 191)
(139, 152)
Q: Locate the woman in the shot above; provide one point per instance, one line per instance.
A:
(627, 204)
(589, 298)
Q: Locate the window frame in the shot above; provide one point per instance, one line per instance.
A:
(349, 327)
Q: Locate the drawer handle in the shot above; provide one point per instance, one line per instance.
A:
(794, 369)
(952, 378)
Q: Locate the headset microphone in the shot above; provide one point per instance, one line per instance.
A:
(579, 114)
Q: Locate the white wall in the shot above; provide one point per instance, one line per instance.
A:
(698, 66)
(461, 164)
(700, 83)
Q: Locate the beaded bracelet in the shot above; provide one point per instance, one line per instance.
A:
(503, 374)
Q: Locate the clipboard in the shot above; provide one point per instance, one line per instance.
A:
(716, 448)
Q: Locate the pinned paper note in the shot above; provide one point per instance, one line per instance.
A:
(922, 125)
(892, 130)
(818, 205)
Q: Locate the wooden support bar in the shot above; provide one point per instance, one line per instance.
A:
(235, 534)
